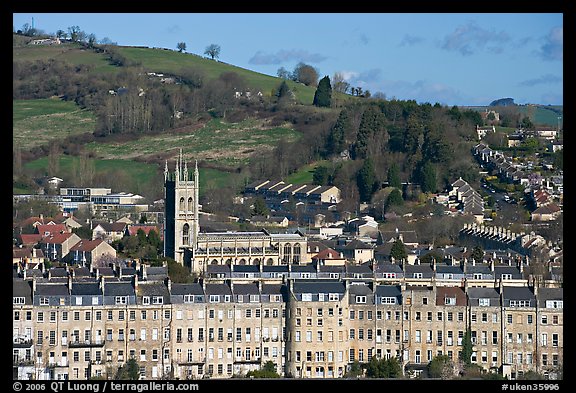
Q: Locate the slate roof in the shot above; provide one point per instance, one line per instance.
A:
(45, 289)
(324, 286)
(187, 289)
(475, 293)
(218, 289)
(86, 288)
(22, 288)
(119, 288)
(545, 294)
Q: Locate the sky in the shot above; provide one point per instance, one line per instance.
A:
(449, 58)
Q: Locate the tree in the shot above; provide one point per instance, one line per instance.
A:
(283, 73)
(336, 141)
(372, 137)
(477, 254)
(129, 371)
(394, 199)
(213, 51)
(441, 367)
(355, 370)
(320, 176)
(398, 251)
(467, 348)
(428, 177)
(260, 208)
(306, 74)
(340, 84)
(323, 94)
(181, 46)
(73, 32)
(268, 370)
(394, 176)
(366, 180)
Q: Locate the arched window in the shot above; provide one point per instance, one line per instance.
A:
(287, 253)
(296, 253)
(186, 234)
(182, 207)
(228, 261)
(214, 262)
(256, 261)
(190, 205)
(242, 261)
(270, 262)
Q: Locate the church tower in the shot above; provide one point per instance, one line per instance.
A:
(181, 225)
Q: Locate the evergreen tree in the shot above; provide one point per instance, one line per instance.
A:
(323, 95)
(398, 251)
(394, 176)
(394, 199)
(467, 348)
(336, 141)
(366, 181)
(320, 176)
(372, 134)
(129, 371)
(428, 177)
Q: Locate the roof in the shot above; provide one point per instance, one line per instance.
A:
(152, 289)
(318, 287)
(51, 229)
(121, 288)
(187, 289)
(133, 229)
(92, 288)
(22, 288)
(545, 294)
(246, 289)
(450, 292)
(86, 245)
(517, 293)
(218, 289)
(389, 291)
(50, 289)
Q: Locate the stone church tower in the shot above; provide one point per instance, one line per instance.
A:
(181, 225)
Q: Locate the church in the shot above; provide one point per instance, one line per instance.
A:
(185, 242)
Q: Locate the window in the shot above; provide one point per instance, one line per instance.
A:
(484, 302)
(360, 299)
(554, 304)
(450, 301)
(18, 300)
(121, 299)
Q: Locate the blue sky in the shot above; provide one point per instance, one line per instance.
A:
(450, 58)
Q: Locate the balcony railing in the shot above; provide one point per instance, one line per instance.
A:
(86, 343)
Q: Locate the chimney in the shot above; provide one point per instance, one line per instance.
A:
(135, 281)
(144, 272)
(69, 284)
(102, 284)
(169, 284)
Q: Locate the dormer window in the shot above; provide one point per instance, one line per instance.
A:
(450, 301)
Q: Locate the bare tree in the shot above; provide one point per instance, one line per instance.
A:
(213, 50)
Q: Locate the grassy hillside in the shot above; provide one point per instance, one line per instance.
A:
(539, 114)
(155, 60)
(167, 61)
(227, 144)
(37, 122)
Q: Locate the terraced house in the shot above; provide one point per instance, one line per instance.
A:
(79, 323)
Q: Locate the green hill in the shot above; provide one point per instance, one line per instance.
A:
(155, 60)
